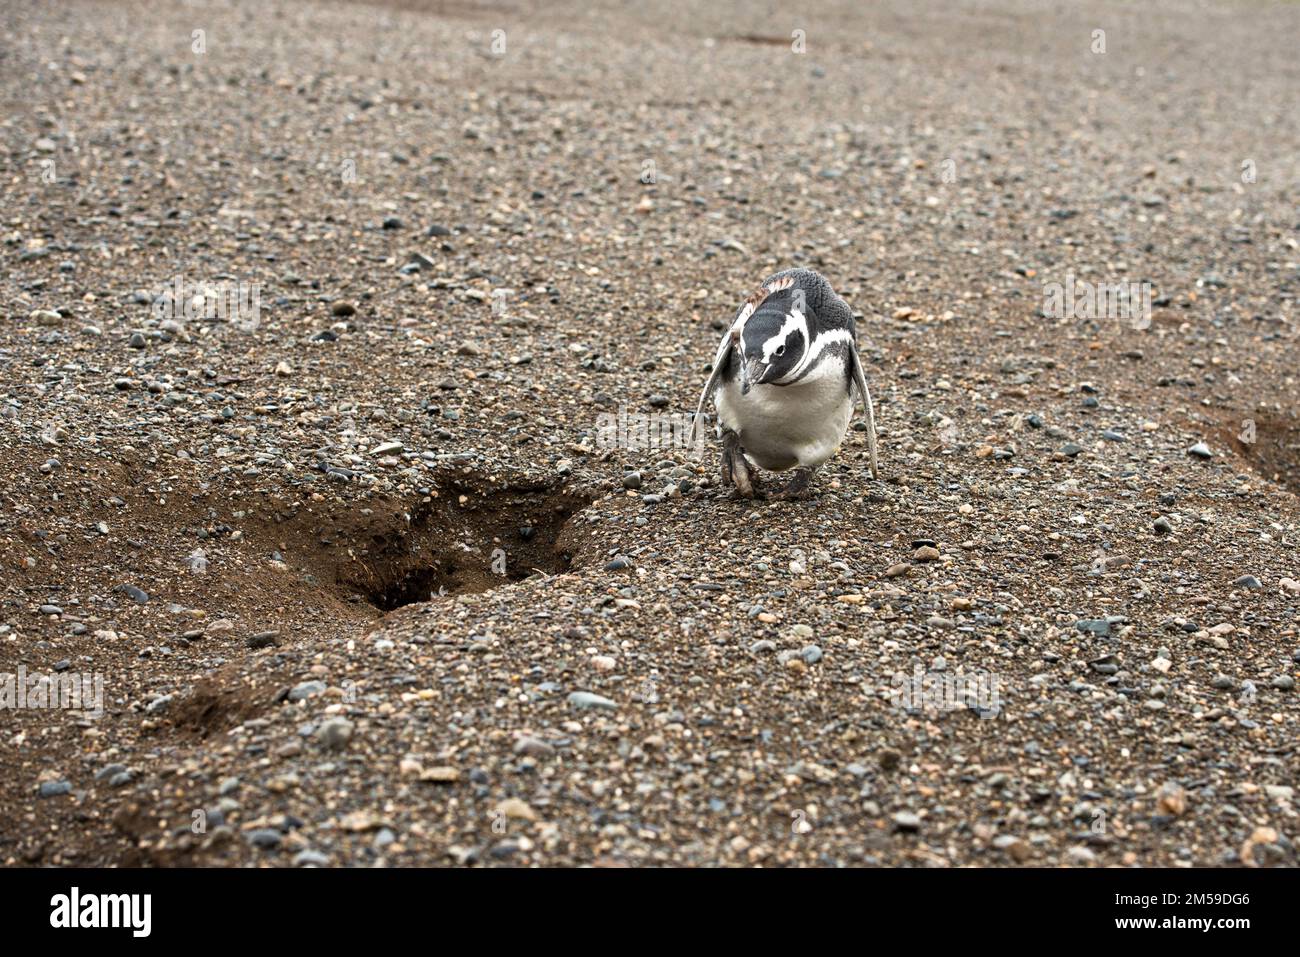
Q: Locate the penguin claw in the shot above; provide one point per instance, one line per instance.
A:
(797, 490)
(736, 473)
(735, 470)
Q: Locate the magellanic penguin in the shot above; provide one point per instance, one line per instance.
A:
(784, 377)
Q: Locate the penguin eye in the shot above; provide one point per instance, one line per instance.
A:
(780, 351)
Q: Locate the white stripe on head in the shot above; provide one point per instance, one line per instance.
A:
(817, 347)
(794, 322)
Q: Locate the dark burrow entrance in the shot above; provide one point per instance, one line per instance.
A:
(469, 538)
(1270, 442)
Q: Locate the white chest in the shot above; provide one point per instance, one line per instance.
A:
(784, 427)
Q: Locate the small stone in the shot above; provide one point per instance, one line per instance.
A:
(334, 733)
(305, 690)
(138, 595)
(1016, 848)
(533, 747)
(907, 822)
(515, 808)
(1201, 451)
(584, 700)
(1106, 665)
(263, 639)
(50, 789)
(1163, 527)
(442, 774)
(811, 654)
(1171, 799)
(265, 838)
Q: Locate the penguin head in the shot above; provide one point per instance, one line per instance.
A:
(772, 341)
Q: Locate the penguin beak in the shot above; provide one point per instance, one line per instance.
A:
(751, 374)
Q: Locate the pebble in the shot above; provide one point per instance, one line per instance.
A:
(442, 774)
(263, 639)
(515, 808)
(907, 821)
(50, 789)
(265, 837)
(334, 733)
(533, 747)
(584, 700)
(305, 690)
(1201, 451)
(138, 595)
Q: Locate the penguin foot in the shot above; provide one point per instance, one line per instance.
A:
(735, 470)
(797, 489)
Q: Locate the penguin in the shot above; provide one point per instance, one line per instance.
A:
(783, 383)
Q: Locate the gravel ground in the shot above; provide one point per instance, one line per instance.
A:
(464, 254)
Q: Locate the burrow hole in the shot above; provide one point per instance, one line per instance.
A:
(467, 540)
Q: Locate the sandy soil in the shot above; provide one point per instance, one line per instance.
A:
(362, 579)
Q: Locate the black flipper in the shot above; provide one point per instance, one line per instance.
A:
(720, 363)
(860, 381)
